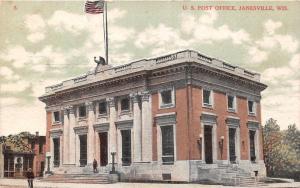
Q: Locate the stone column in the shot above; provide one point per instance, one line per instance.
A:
(146, 127)
(72, 146)
(91, 134)
(256, 143)
(137, 129)
(112, 128)
(66, 137)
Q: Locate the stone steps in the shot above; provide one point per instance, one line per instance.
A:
(81, 178)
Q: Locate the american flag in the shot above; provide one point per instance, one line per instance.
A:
(94, 7)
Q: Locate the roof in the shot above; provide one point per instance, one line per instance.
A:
(107, 72)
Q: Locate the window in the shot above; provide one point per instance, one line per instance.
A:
(167, 144)
(207, 97)
(125, 104)
(82, 111)
(251, 107)
(231, 103)
(56, 116)
(102, 107)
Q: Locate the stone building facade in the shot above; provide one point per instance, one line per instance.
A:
(178, 117)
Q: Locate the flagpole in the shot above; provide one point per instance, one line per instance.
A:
(105, 32)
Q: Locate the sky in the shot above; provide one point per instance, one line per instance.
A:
(44, 43)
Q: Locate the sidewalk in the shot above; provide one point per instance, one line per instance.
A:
(22, 183)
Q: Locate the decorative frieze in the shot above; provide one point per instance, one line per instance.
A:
(168, 118)
(253, 125)
(232, 122)
(80, 130)
(209, 119)
(102, 127)
(55, 133)
(126, 124)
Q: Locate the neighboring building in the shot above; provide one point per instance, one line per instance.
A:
(1, 162)
(179, 117)
(21, 152)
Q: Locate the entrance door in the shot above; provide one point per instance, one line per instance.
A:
(83, 150)
(208, 144)
(103, 149)
(232, 145)
(56, 145)
(126, 147)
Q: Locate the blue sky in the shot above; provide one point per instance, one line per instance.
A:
(43, 43)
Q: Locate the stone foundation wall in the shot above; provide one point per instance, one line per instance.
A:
(188, 171)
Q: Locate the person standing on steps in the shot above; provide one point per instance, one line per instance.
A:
(95, 164)
(30, 177)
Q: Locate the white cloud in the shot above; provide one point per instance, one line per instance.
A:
(35, 22)
(23, 118)
(9, 101)
(287, 43)
(62, 20)
(8, 74)
(256, 55)
(295, 62)
(282, 107)
(36, 26)
(17, 55)
(115, 14)
(271, 26)
(209, 17)
(273, 75)
(36, 37)
(18, 86)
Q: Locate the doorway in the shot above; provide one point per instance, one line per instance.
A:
(56, 157)
(83, 150)
(126, 147)
(208, 144)
(232, 155)
(103, 149)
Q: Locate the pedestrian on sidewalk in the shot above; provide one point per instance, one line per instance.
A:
(30, 177)
(95, 164)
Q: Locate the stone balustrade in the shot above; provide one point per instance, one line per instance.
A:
(151, 64)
